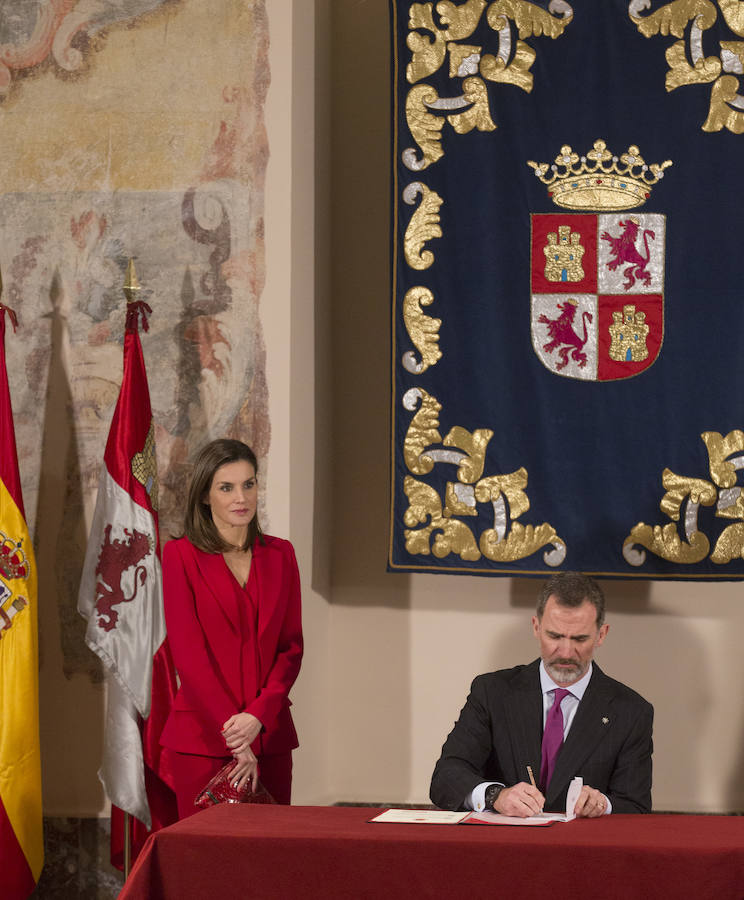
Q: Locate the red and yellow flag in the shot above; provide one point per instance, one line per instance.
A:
(21, 836)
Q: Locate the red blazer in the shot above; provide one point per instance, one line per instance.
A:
(221, 673)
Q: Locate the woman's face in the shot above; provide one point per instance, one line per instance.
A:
(233, 495)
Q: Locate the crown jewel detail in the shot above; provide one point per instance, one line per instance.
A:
(599, 180)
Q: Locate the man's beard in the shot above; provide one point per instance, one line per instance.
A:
(566, 675)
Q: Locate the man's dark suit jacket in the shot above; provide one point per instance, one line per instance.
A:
(499, 734)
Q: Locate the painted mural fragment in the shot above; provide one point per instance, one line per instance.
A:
(194, 223)
(34, 31)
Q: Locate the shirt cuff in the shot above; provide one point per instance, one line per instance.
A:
(608, 808)
(477, 799)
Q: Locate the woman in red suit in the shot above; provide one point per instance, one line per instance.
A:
(232, 610)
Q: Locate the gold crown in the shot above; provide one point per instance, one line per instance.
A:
(599, 180)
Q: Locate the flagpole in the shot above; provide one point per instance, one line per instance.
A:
(127, 847)
(131, 286)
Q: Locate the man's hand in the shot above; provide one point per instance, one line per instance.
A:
(240, 731)
(591, 803)
(519, 800)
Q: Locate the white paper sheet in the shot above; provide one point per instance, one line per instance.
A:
(421, 816)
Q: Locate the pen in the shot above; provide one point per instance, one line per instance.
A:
(532, 779)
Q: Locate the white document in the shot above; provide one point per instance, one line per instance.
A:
(545, 818)
(421, 816)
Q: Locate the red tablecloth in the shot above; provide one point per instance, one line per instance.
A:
(310, 852)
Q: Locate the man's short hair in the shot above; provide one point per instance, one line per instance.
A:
(572, 589)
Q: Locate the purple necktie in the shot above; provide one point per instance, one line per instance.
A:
(552, 738)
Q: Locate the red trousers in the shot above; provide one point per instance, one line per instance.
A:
(192, 772)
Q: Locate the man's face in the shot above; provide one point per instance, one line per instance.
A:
(568, 637)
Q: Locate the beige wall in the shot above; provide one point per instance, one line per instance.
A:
(295, 316)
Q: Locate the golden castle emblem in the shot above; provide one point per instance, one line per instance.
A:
(628, 333)
(563, 254)
(599, 180)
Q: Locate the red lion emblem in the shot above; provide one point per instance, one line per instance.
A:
(563, 336)
(115, 558)
(624, 250)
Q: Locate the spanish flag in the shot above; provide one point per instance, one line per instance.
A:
(21, 837)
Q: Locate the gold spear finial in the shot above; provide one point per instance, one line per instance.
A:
(131, 284)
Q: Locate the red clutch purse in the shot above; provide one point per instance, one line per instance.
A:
(220, 789)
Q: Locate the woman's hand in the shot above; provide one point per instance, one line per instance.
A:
(245, 770)
(240, 731)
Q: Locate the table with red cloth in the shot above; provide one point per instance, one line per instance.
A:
(267, 852)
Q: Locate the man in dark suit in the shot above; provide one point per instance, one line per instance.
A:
(603, 727)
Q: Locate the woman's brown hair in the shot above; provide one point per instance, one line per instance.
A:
(198, 525)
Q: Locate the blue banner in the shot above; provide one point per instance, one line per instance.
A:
(567, 298)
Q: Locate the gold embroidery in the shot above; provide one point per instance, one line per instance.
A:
(517, 72)
(459, 502)
(511, 64)
(425, 127)
(686, 59)
(428, 55)
(628, 334)
(475, 444)
(730, 544)
(489, 490)
(723, 491)
(422, 432)
(522, 542)
(673, 17)
(508, 539)
(423, 330)
(599, 180)
(424, 225)
(145, 468)
(732, 56)
(733, 13)
(666, 543)
(705, 69)
(461, 20)
(479, 115)
(464, 59)
(722, 471)
(529, 18)
(720, 114)
(680, 487)
(453, 537)
(563, 255)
